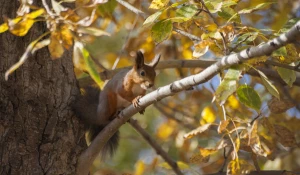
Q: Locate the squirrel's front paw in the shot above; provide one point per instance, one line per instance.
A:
(136, 101)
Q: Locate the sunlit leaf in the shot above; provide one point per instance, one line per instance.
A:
(66, 36)
(35, 14)
(270, 87)
(257, 7)
(233, 167)
(40, 45)
(92, 31)
(161, 30)
(57, 7)
(91, 68)
(223, 125)
(108, 8)
(187, 11)
(180, 164)
(249, 97)
(150, 20)
(23, 57)
(278, 106)
(78, 60)
(203, 155)
(207, 115)
(254, 141)
(247, 37)
(165, 130)
(288, 76)
(285, 136)
(139, 168)
(197, 131)
(158, 4)
(229, 14)
(20, 28)
(201, 48)
(3, 27)
(55, 47)
(228, 85)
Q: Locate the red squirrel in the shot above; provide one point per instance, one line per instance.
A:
(97, 108)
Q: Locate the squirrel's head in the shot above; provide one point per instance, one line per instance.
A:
(145, 73)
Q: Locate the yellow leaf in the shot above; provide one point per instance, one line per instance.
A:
(233, 167)
(55, 47)
(197, 131)
(207, 115)
(254, 141)
(233, 102)
(158, 4)
(3, 27)
(139, 168)
(20, 28)
(182, 165)
(223, 125)
(66, 36)
(211, 27)
(35, 14)
(165, 130)
(206, 152)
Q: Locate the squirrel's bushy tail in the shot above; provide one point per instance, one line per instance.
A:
(85, 108)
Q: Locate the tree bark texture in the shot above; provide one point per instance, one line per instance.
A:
(39, 134)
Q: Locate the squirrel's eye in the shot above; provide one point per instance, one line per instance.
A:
(142, 73)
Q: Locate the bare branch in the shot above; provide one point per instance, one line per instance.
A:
(156, 146)
(88, 156)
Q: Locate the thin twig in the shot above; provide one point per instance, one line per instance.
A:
(238, 44)
(125, 43)
(194, 38)
(160, 109)
(156, 146)
(98, 63)
(226, 50)
(206, 9)
(47, 8)
(273, 63)
(130, 7)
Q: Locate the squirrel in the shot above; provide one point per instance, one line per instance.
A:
(99, 107)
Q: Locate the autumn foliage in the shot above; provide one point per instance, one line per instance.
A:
(244, 119)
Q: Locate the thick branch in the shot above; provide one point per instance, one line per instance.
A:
(155, 146)
(89, 155)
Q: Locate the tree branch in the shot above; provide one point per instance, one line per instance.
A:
(155, 146)
(88, 156)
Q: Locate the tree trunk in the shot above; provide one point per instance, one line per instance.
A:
(39, 133)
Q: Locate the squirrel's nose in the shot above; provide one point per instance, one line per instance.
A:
(150, 85)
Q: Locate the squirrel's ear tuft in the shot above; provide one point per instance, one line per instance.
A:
(139, 60)
(155, 61)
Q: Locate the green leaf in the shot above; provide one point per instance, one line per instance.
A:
(248, 37)
(288, 76)
(228, 85)
(289, 24)
(152, 18)
(270, 87)
(107, 9)
(280, 52)
(249, 97)
(90, 67)
(187, 11)
(229, 14)
(252, 9)
(161, 30)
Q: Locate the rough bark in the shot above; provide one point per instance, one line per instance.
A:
(39, 133)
